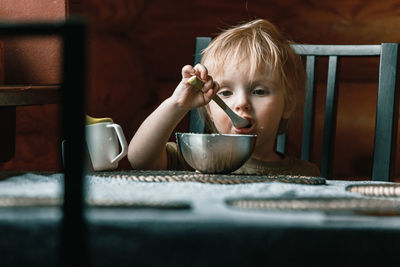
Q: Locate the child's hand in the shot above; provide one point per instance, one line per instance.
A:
(189, 97)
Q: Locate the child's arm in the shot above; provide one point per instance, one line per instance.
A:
(147, 147)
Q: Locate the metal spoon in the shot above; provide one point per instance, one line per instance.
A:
(237, 121)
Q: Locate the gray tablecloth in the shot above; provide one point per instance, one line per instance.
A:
(206, 201)
(202, 230)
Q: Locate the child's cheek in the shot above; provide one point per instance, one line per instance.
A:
(221, 121)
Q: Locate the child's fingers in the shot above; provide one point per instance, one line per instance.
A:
(209, 94)
(188, 71)
(216, 86)
(209, 83)
(213, 90)
(201, 71)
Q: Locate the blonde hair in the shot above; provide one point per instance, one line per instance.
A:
(262, 46)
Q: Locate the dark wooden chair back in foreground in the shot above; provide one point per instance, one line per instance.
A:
(73, 34)
(386, 117)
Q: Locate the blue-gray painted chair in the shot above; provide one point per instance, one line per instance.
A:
(386, 116)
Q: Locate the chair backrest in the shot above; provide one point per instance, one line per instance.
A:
(386, 116)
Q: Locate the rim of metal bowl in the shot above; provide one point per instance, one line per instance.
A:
(216, 134)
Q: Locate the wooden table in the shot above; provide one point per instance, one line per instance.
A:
(192, 224)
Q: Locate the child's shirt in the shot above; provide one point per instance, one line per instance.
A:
(288, 165)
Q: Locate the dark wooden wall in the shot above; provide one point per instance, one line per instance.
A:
(31, 61)
(138, 47)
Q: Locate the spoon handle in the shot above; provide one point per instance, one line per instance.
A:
(220, 102)
(198, 84)
(237, 121)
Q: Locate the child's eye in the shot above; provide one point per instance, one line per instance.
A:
(225, 93)
(260, 91)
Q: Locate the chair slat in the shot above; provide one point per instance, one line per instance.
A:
(337, 50)
(201, 44)
(196, 124)
(384, 128)
(308, 109)
(281, 143)
(330, 118)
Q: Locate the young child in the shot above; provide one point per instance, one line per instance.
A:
(255, 71)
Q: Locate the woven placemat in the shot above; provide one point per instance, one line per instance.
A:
(370, 206)
(6, 202)
(187, 176)
(379, 190)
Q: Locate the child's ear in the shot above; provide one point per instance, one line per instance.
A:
(287, 112)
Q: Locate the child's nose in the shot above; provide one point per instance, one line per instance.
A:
(242, 103)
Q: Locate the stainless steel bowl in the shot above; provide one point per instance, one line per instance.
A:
(215, 153)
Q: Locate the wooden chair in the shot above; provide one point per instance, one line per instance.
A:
(386, 116)
(73, 34)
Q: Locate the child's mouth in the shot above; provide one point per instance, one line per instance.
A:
(248, 126)
(244, 130)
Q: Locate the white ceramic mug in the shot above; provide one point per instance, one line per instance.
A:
(102, 142)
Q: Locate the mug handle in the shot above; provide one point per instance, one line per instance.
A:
(122, 141)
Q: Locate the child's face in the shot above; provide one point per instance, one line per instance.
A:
(258, 98)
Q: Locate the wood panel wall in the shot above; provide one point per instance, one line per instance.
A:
(31, 61)
(138, 47)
